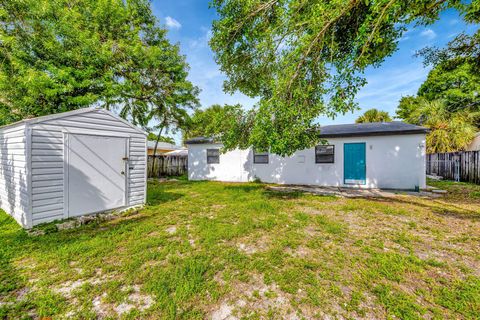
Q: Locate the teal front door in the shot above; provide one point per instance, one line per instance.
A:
(354, 164)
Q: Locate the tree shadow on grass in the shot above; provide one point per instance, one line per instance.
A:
(244, 187)
(283, 195)
(158, 197)
(438, 208)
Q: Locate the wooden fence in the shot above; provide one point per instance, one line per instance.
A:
(458, 166)
(167, 166)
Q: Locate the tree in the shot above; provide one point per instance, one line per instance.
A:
(455, 77)
(223, 123)
(153, 137)
(58, 57)
(306, 58)
(408, 105)
(450, 131)
(457, 82)
(374, 115)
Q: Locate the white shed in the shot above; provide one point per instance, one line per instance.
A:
(71, 164)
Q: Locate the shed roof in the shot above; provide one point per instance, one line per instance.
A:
(351, 130)
(71, 113)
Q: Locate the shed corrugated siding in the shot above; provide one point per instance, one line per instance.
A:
(13, 175)
(48, 165)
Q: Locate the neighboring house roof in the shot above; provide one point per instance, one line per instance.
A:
(370, 129)
(162, 145)
(352, 130)
(200, 140)
(71, 113)
(180, 152)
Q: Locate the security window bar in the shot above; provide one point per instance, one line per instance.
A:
(325, 154)
(213, 156)
(260, 157)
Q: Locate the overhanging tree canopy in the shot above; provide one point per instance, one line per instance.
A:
(58, 56)
(306, 58)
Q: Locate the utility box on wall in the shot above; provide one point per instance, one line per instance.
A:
(71, 164)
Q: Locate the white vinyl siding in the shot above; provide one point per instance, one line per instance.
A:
(13, 173)
(47, 174)
(47, 160)
(34, 164)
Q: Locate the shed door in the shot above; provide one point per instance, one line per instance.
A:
(354, 164)
(96, 173)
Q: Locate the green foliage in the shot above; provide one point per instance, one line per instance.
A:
(153, 137)
(450, 131)
(455, 81)
(306, 58)
(223, 123)
(58, 57)
(407, 106)
(374, 115)
(448, 102)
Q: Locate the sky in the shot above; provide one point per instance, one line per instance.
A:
(189, 24)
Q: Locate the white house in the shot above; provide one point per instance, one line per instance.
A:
(71, 164)
(474, 144)
(388, 155)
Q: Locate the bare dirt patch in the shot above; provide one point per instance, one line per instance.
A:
(256, 298)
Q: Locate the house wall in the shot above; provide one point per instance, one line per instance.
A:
(48, 161)
(394, 162)
(475, 144)
(13, 173)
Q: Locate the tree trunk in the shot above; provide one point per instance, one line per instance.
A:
(155, 150)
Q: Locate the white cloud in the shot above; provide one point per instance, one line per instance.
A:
(202, 41)
(428, 33)
(172, 23)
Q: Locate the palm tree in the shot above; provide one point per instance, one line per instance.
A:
(450, 131)
(374, 115)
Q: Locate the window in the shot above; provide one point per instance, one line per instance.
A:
(325, 154)
(213, 156)
(260, 157)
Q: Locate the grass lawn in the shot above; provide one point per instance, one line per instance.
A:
(213, 250)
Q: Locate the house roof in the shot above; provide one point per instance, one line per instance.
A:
(179, 152)
(370, 129)
(200, 140)
(162, 145)
(71, 113)
(351, 130)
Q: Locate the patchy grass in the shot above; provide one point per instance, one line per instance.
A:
(213, 250)
(457, 190)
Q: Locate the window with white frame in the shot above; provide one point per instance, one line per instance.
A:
(325, 154)
(213, 156)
